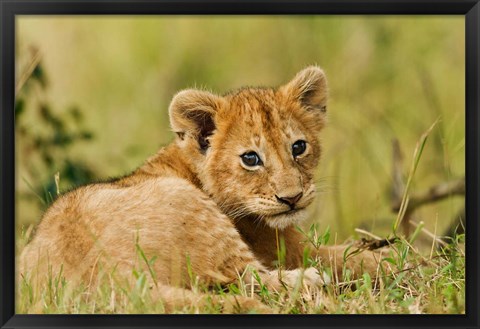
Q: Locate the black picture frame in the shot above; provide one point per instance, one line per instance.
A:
(10, 8)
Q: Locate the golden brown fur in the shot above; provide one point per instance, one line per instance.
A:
(196, 201)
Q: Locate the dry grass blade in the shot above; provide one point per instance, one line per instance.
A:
(431, 235)
(416, 160)
(28, 71)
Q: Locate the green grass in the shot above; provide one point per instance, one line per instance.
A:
(433, 284)
(417, 281)
(390, 77)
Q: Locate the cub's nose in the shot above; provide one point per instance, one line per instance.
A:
(290, 200)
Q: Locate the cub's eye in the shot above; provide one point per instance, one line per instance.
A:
(298, 147)
(251, 159)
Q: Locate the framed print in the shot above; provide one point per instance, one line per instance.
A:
(250, 164)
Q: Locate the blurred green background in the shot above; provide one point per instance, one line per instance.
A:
(96, 106)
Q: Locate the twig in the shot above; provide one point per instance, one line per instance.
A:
(376, 237)
(376, 244)
(434, 193)
(405, 204)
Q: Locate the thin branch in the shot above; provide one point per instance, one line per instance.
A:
(434, 193)
(361, 231)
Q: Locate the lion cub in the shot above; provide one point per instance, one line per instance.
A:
(239, 172)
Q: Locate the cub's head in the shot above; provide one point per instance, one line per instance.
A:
(255, 150)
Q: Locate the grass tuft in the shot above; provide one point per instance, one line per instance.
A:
(418, 285)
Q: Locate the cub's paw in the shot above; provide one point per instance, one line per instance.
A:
(309, 277)
(243, 305)
(354, 261)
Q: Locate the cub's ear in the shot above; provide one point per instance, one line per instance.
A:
(192, 113)
(309, 86)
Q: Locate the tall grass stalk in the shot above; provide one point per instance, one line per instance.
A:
(417, 154)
